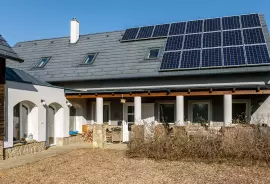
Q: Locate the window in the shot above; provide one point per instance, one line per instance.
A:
(42, 62)
(89, 59)
(166, 113)
(153, 53)
(240, 110)
(200, 111)
(16, 123)
(20, 122)
(130, 113)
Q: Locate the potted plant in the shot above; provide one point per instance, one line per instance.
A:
(23, 141)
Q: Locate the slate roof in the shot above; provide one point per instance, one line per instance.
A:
(115, 59)
(17, 75)
(7, 52)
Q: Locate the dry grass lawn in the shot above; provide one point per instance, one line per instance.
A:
(111, 166)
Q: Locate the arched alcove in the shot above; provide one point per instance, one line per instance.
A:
(25, 121)
(76, 117)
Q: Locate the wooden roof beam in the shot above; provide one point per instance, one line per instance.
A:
(162, 94)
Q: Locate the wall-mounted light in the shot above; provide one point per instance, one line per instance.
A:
(43, 102)
(68, 103)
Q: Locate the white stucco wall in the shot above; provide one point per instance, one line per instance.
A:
(262, 113)
(19, 92)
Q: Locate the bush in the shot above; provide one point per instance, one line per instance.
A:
(248, 144)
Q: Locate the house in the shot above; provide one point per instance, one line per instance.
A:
(30, 109)
(6, 52)
(36, 110)
(211, 70)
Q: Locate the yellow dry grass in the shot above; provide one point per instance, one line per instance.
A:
(112, 166)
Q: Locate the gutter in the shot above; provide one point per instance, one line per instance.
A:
(233, 84)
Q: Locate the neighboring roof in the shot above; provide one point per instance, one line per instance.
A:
(115, 59)
(7, 52)
(16, 75)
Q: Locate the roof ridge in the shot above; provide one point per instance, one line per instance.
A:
(68, 36)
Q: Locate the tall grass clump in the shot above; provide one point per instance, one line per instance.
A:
(241, 144)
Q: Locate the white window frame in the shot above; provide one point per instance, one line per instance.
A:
(86, 57)
(104, 103)
(149, 50)
(248, 106)
(126, 111)
(39, 62)
(164, 102)
(190, 109)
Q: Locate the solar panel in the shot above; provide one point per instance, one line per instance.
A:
(161, 30)
(234, 56)
(212, 39)
(170, 60)
(190, 59)
(212, 25)
(232, 38)
(177, 28)
(251, 20)
(194, 26)
(257, 54)
(252, 36)
(174, 43)
(211, 57)
(145, 32)
(231, 23)
(130, 34)
(192, 41)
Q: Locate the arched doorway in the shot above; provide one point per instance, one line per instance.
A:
(25, 118)
(76, 118)
(54, 118)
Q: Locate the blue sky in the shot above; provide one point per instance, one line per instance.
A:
(23, 20)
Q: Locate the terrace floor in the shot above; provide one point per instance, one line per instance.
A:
(86, 165)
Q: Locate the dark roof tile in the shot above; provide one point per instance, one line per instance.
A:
(7, 52)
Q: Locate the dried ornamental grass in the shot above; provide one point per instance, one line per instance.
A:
(238, 144)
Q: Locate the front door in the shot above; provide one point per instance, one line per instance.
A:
(51, 132)
(148, 112)
(129, 112)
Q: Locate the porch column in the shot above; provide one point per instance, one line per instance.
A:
(99, 110)
(179, 111)
(227, 109)
(137, 109)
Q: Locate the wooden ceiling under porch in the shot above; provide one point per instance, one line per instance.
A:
(189, 92)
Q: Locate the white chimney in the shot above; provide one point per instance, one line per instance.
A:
(74, 30)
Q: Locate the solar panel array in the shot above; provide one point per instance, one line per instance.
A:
(220, 42)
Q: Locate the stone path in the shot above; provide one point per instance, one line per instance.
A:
(30, 158)
(52, 151)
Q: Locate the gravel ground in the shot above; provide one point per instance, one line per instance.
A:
(111, 166)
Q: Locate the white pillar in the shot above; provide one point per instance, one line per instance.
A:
(137, 109)
(99, 110)
(227, 109)
(179, 111)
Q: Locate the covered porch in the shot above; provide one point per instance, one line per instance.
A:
(215, 107)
